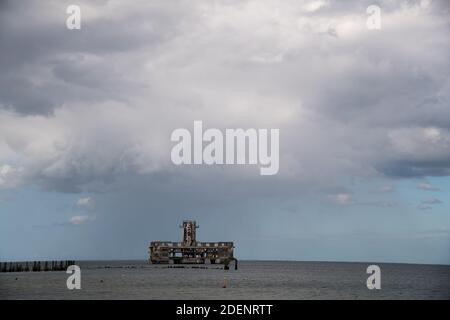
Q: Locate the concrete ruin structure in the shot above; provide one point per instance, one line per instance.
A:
(191, 251)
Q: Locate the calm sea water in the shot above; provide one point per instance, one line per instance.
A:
(253, 280)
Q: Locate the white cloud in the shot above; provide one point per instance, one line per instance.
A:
(431, 201)
(5, 170)
(424, 207)
(428, 204)
(427, 187)
(85, 202)
(78, 220)
(386, 189)
(314, 5)
(432, 134)
(344, 199)
(10, 176)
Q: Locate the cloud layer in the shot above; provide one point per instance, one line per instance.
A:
(79, 109)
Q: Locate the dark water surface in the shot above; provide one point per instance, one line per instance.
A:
(253, 280)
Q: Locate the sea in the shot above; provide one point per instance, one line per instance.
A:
(253, 280)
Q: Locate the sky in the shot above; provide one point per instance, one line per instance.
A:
(86, 118)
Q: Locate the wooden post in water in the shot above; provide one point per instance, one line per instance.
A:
(35, 266)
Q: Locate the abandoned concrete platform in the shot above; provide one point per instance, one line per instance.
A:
(191, 251)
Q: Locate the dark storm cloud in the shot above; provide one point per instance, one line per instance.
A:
(81, 108)
(419, 168)
(42, 61)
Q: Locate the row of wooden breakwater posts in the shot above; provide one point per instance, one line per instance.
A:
(35, 266)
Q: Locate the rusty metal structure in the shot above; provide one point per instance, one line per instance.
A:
(191, 251)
